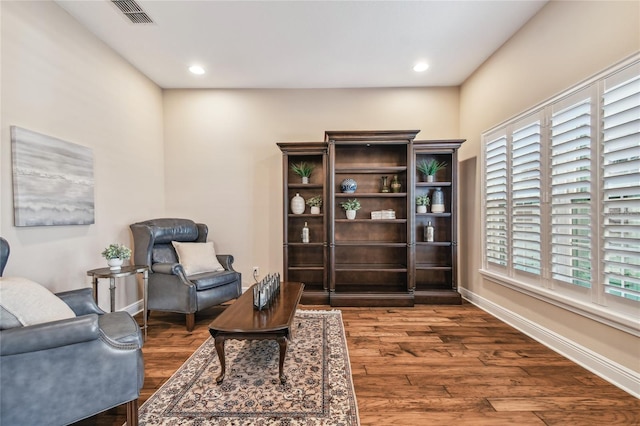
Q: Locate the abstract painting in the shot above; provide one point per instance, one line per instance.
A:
(52, 180)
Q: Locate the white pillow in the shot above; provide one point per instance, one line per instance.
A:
(196, 258)
(30, 302)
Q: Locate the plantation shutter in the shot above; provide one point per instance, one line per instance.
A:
(525, 198)
(621, 188)
(571, 191)
(496, 201)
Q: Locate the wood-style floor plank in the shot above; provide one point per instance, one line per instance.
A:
(429, 365)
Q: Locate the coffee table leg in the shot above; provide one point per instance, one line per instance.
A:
(282, 341)
(219, 340)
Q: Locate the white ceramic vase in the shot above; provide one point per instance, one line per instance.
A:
(315, 210)
(351, 214)
(421, 209)
(297, 204)
(115, 264)
(305, 179)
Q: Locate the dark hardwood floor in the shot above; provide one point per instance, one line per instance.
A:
(429, 365)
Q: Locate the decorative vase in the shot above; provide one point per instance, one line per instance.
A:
(431, 178)
(297, 204)
(437, 201)
(348, 186)
(421, 209)
(315, 210)
(305, 179)
(396, 186)
(351, 214)
(115, 264)
(385, 185)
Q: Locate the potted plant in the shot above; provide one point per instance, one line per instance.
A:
(351, 206)
(422, 201)
(430, 168)
(303, 169)
(116, 254)
(315, 203)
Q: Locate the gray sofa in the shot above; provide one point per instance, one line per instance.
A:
(171, 289)
(59, 372)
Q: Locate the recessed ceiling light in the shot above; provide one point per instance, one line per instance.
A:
(420, 67)
(196, 69)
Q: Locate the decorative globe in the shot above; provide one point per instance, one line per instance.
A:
(348, 186)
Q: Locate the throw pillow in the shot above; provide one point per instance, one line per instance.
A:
(196, 258)
(30, 303)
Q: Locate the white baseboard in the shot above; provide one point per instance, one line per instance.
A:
(135, 308)
(618, 375)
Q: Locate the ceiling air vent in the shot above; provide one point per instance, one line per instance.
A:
(133, 11)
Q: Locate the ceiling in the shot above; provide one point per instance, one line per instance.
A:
(306, 44)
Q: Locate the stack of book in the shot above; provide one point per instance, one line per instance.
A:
(383, 214)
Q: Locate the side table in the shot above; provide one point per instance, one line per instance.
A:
(124, 271)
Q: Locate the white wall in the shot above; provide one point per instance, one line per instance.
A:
(59, 80)
(565, 43)
(223, 166)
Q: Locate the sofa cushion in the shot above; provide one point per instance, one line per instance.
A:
(197, 258)
(209, 280)
(30, 303)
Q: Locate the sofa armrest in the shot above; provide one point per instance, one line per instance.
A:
(81, 301)
(226, 260)
(49, 335)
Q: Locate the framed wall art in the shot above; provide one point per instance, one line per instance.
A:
(52, 180)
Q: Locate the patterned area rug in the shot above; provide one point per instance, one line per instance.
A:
(318, 390)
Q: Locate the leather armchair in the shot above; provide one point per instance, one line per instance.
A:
(59, 372)
(170, 289)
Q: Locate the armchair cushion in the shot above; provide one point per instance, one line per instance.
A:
(29, 303)
(197, 258)
(209, 280)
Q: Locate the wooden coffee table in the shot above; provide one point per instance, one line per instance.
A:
(241, 321)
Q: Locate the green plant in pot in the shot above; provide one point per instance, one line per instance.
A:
(315, 203)
(422, 201)
(303, 169)
(429, 168)
(351, 206)
(116, 254)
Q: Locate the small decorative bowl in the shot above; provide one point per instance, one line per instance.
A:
(348, 186)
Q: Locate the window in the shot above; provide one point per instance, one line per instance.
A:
(561, 199)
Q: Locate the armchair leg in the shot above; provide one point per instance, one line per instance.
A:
(132, 413)
(191, 321)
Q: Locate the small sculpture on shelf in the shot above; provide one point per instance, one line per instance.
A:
(303, 169)
(266, 291)
(422, 201)
(385, 185)
(430, 168)
(315, 203)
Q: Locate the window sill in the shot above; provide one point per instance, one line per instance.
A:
(594, 312)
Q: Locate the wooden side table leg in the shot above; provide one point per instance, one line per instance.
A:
(282, 342)
(219, 340)
(94, 280)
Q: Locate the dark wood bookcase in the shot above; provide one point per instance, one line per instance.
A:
(305, 262)
(366, 261)
(435, 279)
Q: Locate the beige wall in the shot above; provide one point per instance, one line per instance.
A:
(565, 43)
(59, 80)
(223, 166)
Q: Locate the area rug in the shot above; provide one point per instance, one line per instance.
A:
(318, 390)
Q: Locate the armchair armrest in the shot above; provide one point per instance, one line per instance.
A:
(168, 268)
(81, 301)
(226, 260)
(49, 335)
